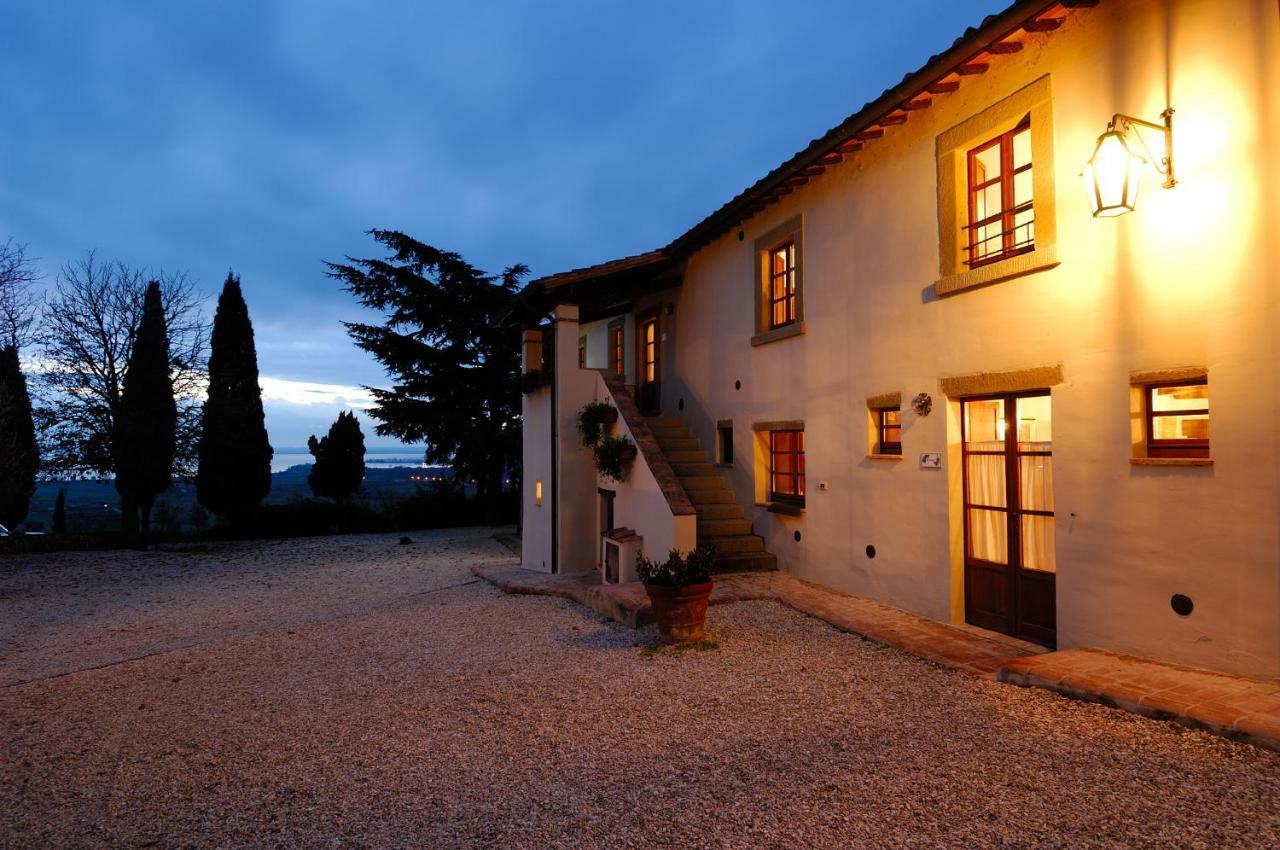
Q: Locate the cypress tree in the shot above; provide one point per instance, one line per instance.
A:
(145, 437)
(60, 512)
(19, 457)
(339, 465)
(235, 456)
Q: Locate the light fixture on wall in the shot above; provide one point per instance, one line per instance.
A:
(1112, 175)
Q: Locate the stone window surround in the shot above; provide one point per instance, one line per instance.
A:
(953, 145)
(875, 404)
(760, 431)
(790, 230)
(1138, 383)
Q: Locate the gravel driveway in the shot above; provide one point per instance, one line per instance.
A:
(351, 692)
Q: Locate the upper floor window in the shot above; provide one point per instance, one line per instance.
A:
(1178, 419)
(582, 352)
(779, 283)
(615, 349)
(782, 285)
(786, 466)
(1001, 214)
(890, 430)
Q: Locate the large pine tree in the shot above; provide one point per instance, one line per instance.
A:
(339, 459)
(455, 369)
(145, 430)
(235, 456)
(19, 458)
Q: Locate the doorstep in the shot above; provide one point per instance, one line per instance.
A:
(971, 650)
(1231, 706)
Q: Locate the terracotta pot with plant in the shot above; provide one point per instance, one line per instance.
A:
(679, 589)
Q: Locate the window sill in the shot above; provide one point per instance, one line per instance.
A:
(784, 332)
(784, 508)
(878, 456)
(1171, 461)
(1043, 258)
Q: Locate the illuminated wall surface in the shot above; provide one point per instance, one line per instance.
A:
(1189, 279)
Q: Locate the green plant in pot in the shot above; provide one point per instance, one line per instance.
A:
(613, 456)
(679, 589)
(592, 418)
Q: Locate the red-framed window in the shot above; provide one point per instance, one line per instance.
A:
(782, 285)
(890, 430)
(1001, 215)
(615, 349)
(1178, 419)
(786, 466)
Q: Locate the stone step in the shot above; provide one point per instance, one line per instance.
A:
(745, 562)
(710, 497)
(708, 511)
(678, 444)
(686, 456)
(700, 467)
(716, 528)
(702, 482)
(740, 544)
(668, 432)
(664, 422)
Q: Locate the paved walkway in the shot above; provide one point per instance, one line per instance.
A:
(971, 650)
(1231, 706)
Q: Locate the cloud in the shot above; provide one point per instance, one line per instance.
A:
(310, 394)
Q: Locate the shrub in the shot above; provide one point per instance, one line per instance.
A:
(677, 570)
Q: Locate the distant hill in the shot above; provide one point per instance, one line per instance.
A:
(390, 475)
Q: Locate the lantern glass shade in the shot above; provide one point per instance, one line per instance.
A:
(1112, 175)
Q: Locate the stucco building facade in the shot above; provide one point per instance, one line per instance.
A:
(914, 365)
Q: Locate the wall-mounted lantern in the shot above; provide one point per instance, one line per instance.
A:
(1113, 173)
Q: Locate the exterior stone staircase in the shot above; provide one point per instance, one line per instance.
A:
(722, 522)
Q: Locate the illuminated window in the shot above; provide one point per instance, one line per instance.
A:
(1178, 419)
(649, 338)
(1001, 217)
(786, 466)
(889, 439)
(615, 349)
(782, 285)
(537, 492)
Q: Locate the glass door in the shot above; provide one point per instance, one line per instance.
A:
(1008, 515)
(647, 367)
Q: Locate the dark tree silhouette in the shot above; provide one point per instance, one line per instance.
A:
(60, 512)
(145, 438)
(339, 465)
(86, 337)
(455, 369)
(235, 456)
(19, 458)
(18, 303)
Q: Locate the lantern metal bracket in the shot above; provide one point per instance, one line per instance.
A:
(1124, 123)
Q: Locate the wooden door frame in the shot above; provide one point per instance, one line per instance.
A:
(1013, 511)
(653, 314)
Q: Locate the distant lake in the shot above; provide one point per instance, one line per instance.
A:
(378, 457)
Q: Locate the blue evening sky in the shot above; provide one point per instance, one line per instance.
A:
(267, 135)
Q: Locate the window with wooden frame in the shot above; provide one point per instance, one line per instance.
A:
(786, 466)
(782, 285)
(1177, 416)
(616, 349)
(889, 431)
(582, 352)
(1001, 215)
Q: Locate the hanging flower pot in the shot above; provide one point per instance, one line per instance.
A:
(614, 456)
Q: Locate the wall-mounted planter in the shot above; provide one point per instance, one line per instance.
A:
(614, 456)
(531, 382)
